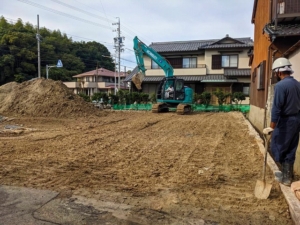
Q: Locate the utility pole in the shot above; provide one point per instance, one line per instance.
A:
(38, 46)
(118, 47)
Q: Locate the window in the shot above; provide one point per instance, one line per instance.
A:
(216, 62)
(246, 90)
(154, 65)
(106, 79)
(229, 61)
(189, 62)
(175, 62)
(260, 71)
(224, 61)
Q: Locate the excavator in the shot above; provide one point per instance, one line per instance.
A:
(180, 97)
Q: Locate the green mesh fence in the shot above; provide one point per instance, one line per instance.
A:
(195, 107)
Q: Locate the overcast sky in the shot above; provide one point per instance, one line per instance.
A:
(150, 20)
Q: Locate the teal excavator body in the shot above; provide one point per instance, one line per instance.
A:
(180, 98)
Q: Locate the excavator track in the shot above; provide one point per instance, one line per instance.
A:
(183, 109)
(155, 108)
(160, 107)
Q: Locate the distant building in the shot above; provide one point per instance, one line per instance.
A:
(99, 80)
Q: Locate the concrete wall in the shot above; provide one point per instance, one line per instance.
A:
(256, 117)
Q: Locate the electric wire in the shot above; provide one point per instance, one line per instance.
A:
(63, 14)
(74, 17)
(70, 35)
(82, 11)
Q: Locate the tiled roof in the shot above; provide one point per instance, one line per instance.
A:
(159, 78)
(227, 73)
(200, 78)
(196, 45)
(216, 78)
(101, 72)
(133, 72)
(282, 29)
(237, 72)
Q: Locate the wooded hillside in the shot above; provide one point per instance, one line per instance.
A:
(19, 56)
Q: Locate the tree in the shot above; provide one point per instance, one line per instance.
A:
(205, 98)
(91, 53)
(18, 53)
(238, 97)
(222, 96)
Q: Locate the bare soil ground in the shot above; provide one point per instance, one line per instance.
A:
(150, 168)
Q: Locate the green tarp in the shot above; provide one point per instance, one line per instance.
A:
(195, 107)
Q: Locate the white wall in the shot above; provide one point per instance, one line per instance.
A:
(295, 59)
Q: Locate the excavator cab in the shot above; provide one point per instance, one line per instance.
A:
(180, 98)
(177, 93)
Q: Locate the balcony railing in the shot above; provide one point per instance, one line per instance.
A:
(286, 10)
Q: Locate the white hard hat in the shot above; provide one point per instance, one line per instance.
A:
(280, 62)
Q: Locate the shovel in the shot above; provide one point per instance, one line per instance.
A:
(263, 188)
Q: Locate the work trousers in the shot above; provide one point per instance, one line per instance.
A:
(285, 138)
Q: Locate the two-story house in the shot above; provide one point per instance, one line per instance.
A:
(99, 80)
(205, 65)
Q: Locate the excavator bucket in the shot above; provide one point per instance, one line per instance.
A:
(137, 79)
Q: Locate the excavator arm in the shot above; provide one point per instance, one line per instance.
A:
(140, 49)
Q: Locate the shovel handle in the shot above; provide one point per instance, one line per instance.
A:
(265, 156)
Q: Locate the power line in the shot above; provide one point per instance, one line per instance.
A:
(70, 35)
(83, 11)
(63, 14)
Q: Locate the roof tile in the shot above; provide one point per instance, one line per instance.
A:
(183, 46)
(237, 72)
(282, 29)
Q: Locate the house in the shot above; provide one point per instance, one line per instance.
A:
(205, 65)
(276, 34)
(99, 80)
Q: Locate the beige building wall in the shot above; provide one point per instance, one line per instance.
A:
(208, 62)
(244, 60)
(178, 72)
(295, 59)
(201, 60)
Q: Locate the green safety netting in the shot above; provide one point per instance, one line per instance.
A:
(195, 107)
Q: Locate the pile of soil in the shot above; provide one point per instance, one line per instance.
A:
(43, 97)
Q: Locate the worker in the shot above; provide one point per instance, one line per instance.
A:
(285, 118)
(169, 92)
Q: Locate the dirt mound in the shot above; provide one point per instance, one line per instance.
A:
(41, 97)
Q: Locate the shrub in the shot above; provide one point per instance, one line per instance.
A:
(84, 96)
(238, 97)
(222, 96)
(152, 97)
(205, 98)
(99, 95)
